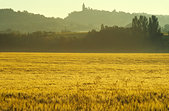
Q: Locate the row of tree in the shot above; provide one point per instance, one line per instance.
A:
(144, 36)
(148, 27)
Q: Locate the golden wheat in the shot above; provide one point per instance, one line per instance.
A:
(74, 81)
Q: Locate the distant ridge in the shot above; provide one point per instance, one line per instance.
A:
(29, 22)
(95, 18)
(84, 20)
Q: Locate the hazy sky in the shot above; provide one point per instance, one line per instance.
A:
(61, 8)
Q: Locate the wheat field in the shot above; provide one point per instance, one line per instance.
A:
(84, 81)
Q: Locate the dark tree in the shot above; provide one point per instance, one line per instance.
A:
(166, 28)
(102, 27)
(135, 23)
(153, 27)
(141, 24)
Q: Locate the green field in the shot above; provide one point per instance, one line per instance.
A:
(84, 81)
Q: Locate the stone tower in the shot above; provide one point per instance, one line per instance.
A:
(83, 7)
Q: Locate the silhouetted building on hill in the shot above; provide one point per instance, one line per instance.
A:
(83, 7)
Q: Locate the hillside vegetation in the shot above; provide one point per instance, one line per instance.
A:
(29, 22)
(144, 36)
(94, 18)
(84, 20)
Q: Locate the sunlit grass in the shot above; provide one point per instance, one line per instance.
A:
(59, 81)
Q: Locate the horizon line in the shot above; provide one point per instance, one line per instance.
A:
(87, 8)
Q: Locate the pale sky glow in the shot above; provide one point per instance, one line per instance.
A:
(61, 8)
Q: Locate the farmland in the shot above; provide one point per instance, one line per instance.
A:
(84, 81)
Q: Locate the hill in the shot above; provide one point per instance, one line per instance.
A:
(76, 21)
(29, 22)
(94, 18)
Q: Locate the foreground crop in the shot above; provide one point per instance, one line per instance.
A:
(57, 81)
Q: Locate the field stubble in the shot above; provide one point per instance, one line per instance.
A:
(84, 81)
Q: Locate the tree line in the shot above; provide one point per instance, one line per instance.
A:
(144, 36)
